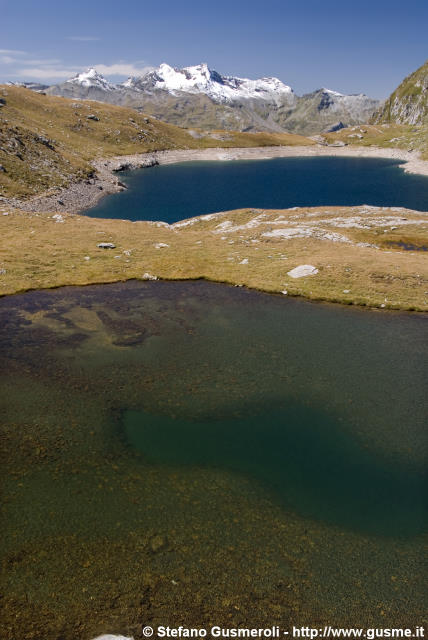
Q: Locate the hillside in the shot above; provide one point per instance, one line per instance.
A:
(48, 142)
(385, 136)
(408, 104)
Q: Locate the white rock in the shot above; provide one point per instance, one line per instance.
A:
(303, 270)
(106, 245)
(347, 291)
(244, 261)
(161, 245)
(149, 276)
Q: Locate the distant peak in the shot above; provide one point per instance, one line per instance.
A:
(90, 72)
(91, 78)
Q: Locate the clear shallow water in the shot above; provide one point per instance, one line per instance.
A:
(175, 192)
(301, 455)
(170, 448)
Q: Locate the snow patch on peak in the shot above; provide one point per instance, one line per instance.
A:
(332, 93)
(129, 82)
(91, 78)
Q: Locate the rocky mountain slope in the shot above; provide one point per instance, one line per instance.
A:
(408, 104)
(324, 109)
(200, 97)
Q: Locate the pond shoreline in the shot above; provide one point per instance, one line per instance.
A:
(80, 196)
(351, 306)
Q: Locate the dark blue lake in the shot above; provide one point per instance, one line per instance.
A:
(175, 192)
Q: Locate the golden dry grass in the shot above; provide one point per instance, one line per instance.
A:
(38, 251)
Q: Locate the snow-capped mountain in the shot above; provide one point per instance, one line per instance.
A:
(200, 97)
(201, 79)
(91, 79)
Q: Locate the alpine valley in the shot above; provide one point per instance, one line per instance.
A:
(196, 426)
(201, 97)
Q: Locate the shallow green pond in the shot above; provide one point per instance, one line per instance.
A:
(190, 452)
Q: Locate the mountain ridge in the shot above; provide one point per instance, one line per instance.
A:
(198, 96)
(202, 79)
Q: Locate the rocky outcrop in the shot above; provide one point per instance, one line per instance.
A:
(408, 104)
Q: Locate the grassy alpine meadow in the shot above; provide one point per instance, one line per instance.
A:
(368, 256)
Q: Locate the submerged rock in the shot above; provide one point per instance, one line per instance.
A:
(158, 543)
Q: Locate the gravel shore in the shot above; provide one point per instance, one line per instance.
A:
(81, 196)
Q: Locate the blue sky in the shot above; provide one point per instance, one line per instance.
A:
(350, 46)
